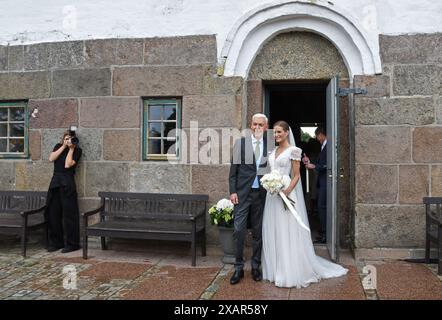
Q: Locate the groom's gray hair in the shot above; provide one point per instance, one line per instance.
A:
(260, 115)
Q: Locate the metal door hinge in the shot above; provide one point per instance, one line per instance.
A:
(343, 92)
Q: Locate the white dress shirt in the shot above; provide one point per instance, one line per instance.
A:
(324, 144)
(258, 161)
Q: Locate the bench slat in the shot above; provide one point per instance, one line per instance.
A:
(128, 226)
(148, 215)
(16, 221)
(154, 196)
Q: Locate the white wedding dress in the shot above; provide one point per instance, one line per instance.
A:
(288, 255)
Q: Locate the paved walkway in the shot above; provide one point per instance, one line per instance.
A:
(130, 271)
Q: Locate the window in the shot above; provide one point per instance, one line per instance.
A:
(308, 132)
(162, 121)
(13, 130)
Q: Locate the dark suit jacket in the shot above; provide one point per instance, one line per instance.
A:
(321, 168)
(243, 167)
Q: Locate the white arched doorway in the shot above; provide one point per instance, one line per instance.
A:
(359, 49)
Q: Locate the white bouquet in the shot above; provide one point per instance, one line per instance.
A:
(274, 183)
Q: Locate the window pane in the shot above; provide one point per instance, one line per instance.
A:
(16, 145)
(3, 130)
(3, 143)
(3, 114)
(155, 112)
(170, 147)
(17, 114)
(168, 126)
(170, 112)
(154, 146)
(155, 129)
(16, 130)
(161, 121)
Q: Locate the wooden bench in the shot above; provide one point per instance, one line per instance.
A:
(22, 212)
(433, 228)
(179, 217)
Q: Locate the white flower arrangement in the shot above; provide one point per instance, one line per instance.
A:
(222, 213)
(224, 204)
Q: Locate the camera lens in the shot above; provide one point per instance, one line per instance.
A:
(74, 140)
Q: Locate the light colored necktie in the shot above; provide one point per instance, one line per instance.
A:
(257, 151)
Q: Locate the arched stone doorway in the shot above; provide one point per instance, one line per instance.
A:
(287, 81)
(347, 50)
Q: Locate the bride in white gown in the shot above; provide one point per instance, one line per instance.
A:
(288, 256)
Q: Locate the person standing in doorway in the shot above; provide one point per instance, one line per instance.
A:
(321, 168)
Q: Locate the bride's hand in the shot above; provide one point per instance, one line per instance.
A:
(287, 191)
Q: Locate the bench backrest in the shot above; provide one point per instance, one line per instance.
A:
(432, 200)
(152, 205)
(17, 201)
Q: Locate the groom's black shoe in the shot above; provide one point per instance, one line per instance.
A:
(237, 275)
(256, 275)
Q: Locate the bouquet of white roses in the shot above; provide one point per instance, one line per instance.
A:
(274, 184)
(222, 213)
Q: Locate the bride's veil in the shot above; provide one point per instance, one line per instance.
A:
(300, 206)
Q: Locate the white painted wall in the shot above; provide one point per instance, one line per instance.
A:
(31, 21)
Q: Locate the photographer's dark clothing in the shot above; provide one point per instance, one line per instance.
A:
(62, 203)
(60, 162)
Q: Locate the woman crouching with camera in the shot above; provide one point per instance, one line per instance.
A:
(62, 211)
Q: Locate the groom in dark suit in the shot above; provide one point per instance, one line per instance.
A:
(321, 168)
(247, 194)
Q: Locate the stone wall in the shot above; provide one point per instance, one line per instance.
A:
(298, 55)
(98, 85)
(399, 142)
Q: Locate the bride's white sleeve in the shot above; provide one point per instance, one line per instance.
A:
(295, 154)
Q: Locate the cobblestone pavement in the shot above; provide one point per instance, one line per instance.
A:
(133, 272)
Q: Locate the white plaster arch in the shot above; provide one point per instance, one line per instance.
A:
(359, 50)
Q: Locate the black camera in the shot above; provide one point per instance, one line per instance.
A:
(73, 134)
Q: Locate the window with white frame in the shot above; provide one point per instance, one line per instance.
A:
(162, 121)
(13, 129)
